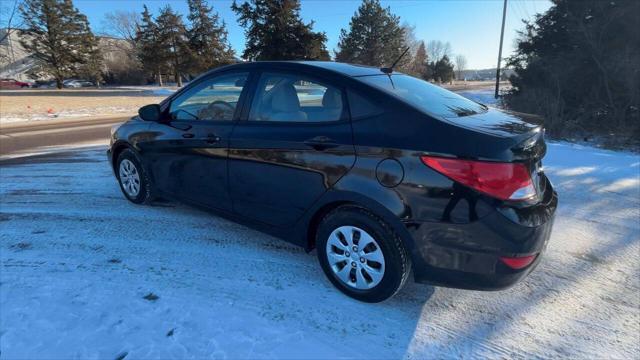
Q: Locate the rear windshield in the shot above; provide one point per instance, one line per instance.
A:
(425, 96)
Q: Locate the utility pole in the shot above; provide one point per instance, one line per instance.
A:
(504, 15)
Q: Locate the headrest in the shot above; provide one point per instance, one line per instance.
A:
(285, 99)
(332, 98)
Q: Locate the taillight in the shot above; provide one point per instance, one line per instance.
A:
(505, 181)
(518, 263)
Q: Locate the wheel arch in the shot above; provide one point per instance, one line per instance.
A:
(336, 199)
(116, 150)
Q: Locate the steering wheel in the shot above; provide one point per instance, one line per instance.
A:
(220, 102)
(214, 111)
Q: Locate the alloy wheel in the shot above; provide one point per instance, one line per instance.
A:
(129, 177)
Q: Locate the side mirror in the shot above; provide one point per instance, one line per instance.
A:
(150, 112)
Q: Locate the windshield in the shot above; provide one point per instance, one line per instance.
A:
(425, 96)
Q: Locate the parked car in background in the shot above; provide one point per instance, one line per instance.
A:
(73, 83)
(44, 84)
(380, 172)
(14, 84)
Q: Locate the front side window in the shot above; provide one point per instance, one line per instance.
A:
(214, 99)
(429, 98)
(295, 98)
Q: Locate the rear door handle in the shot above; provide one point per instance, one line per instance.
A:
(320, 143)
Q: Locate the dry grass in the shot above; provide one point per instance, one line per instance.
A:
(470, 85)
(40, 102)
(35, 102)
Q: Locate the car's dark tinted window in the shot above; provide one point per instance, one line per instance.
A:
(427, 97)
(213, 99)
(295, 98)
(360, 106)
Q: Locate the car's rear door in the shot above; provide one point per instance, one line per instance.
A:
(188, 154)
(295, 143)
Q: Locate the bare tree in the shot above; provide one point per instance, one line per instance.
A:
(8, 12)
(121, 24)
(461, 65)
(123, 27)
(436, 50)
(410, 37)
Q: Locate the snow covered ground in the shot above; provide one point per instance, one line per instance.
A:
(86, 274)
(484, 96)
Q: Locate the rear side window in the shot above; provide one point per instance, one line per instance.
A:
(429, 98)
(284, 97)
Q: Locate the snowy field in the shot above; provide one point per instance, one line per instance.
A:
(86, 274)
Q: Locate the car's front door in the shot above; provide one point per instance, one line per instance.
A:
(294, 145)
(187, 154)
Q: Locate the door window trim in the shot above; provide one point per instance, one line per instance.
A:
(244, 118)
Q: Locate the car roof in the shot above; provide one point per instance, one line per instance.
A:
(344, 68)
(336, 67)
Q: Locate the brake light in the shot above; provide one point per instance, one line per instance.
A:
(505, 181)
(518, 263)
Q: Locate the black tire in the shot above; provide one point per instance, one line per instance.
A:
(145, 194)
(396, 257)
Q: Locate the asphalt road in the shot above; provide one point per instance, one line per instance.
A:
(25, 137)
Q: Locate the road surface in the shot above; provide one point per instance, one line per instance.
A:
(23, 137)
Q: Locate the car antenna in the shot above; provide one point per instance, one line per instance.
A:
(389, 70)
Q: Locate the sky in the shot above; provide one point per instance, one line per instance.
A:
(471, 26)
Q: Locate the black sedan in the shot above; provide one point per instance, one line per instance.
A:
(380, 172)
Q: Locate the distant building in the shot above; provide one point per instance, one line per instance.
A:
(17, 63)
(485, 74)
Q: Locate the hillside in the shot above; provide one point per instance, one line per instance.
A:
(16, 62)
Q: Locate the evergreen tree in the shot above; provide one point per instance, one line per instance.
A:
(207, 38)
(149, 49)
(577, 66)
(375, 37)
(174, 43)
(275, 31)
(419, 62)
(93, 65)
(442, 70)
(60, 38)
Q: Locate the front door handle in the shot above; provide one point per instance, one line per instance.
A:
(180, 126)
(187, 135)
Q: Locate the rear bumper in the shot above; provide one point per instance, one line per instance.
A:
(468, 255)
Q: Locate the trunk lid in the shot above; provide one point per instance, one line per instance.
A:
(499, 123)
(521, 135)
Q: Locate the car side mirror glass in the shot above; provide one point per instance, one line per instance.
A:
(150, 112)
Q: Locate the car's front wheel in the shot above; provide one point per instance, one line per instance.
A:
(361, 255)
(133, 180)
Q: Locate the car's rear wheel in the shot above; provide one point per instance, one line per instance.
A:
(361, 255)
(133, 180)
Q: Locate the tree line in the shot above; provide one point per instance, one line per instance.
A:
(164, 44)
(577, 65)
